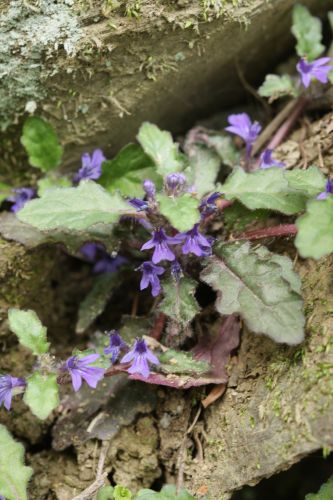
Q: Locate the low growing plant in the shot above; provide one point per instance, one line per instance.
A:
(174, 218)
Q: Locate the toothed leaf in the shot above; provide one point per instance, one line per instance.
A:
(262, 287)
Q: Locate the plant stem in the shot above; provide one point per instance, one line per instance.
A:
(268, 232)
(280, 125)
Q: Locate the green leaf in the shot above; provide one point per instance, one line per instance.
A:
(315, 235)
(268, 188)
(179, 302)
(262, 287)
(238, 218)
(41, 143)
(128, 170)
(13, 229)
(51, 182)
(14, 475)
(181, 362)
(225, 148)
(96, 300)
(276, 86)
(310, 181)
(203, 170)
(29, 330)
(307, 30)
(5, 191)
(325, 492)
(158, 144)
(121, 493)
(74, 208)
(42, 394)
(181, 211)
(105, 493)
(168, 492)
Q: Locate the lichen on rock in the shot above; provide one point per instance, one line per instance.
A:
(29, 34)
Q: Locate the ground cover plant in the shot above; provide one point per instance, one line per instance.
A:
(170, 221)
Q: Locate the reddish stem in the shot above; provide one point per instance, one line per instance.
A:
(286, 126)
(157, 329)
(267, 232)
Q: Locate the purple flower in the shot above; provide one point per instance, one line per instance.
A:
(208, 205)
(176, 270)
(266, 160)
(174, 183)
(91, 166)
(78, 369)
(150, 274)
(20, 198)
(90, 251)
(138, 204)
(149, 188)
(241, 125)
(160, 242)
(104, 263)
(140, 354)
(116, 345)
(328, 190)
(107, 264)
(8, 386)
(317, 70)
(195, 243)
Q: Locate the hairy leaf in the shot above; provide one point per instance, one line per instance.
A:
(276, 86)
(158, 144)
(307, 30)
(52, 182)
(179, 302)
(268, 188)
(261, 287)
(42, 394)
(181, 362)
(105, 493)
(96, 300)
(168, 492)
(224, 147)
(325, 492)
(13, 229)
(29, 330)
(14, 475)
(310, 181)
(182, 211)
(237, 217)
(74, 208)
(128, 170)
(315, 236)
(41, 143)
(204, 168)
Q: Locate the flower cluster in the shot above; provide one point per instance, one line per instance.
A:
(191, 242)
(84, 368)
